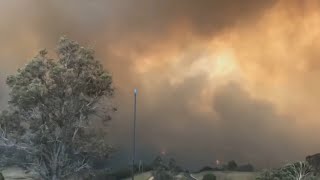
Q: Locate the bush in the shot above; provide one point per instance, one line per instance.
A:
(245, 168)
(232, 165)
(206, 168)
(209, 177)
(103, 174)
(147, 168)
(162, 174)
(122, 173)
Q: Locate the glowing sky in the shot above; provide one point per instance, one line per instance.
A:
(217, 79)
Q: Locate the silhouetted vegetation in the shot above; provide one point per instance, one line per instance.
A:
(245, 168)
(232, 165)
(209, 177)
(122, 173)
(206, 168)
(314, 161)
(163, 170)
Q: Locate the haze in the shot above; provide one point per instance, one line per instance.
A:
(217, 79)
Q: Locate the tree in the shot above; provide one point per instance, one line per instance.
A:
(245, 168)
(314, 161)
(206, 168)
(165, 170)
(294, 171)
(232, 165)
(157, 162)
(172, 165)
(55, 108)
(300, 170)
(209, 177)
(160, 169)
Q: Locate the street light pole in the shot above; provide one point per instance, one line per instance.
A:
(134, 131)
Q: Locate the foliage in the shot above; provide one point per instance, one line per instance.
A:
(209, 177)
(55, 109)
(314, 161)
(163, 170)
(161, 174)
(232, 165)
(122, 173)
(147, 167)
(245, 168)
(206, 168)
(295, 171)
(160, 170)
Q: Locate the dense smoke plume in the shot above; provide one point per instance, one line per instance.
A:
(217, 79)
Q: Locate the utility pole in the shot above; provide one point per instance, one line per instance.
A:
(134, 131)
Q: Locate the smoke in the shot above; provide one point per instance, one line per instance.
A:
(217, 79)
(250, 128)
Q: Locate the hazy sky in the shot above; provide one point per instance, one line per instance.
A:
(217, 79)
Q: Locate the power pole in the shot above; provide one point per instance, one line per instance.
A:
(134, 131)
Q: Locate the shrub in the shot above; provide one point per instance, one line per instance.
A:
(245, 168)
(232, 165)
(122, 173)
(147, 168)
(162, 174)
(206, 168)
(209, 177)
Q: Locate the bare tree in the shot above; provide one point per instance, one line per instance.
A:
(54, 110)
